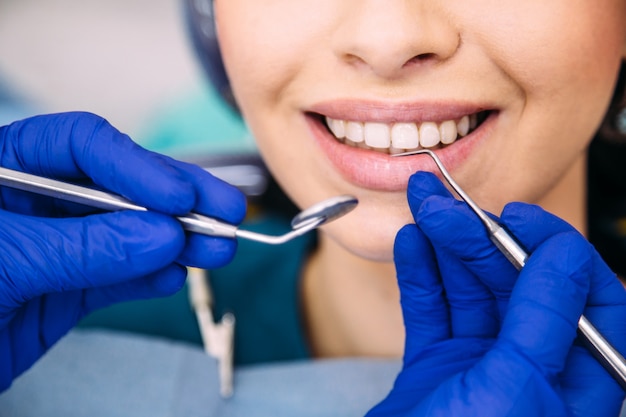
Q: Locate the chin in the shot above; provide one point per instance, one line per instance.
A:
(370, 242)
(375, 254)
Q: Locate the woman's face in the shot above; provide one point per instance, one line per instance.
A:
(508, 93)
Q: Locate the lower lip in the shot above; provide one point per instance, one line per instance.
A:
(382, 172)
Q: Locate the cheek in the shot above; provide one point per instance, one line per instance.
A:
(545, 46)
(564, 62)
(264, 46)
(569, 46)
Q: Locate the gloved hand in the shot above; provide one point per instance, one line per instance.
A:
(58, 262)
(485, 340)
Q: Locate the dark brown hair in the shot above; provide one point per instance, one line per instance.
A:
(606, 192)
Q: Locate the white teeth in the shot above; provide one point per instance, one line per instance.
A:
(337, 127)
(429, 135)
(404, 136)
(401, 136)
(448, 132)
(463, 126)
(377, 135)
(354, 131)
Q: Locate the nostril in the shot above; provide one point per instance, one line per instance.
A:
(424, 57)
(419, 59)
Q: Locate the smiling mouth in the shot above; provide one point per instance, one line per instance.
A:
(398, 137)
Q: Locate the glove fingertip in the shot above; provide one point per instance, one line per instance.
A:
(406, 243)
(169, 281)
(531, 224)
(208, 252)
(450, 224)
(423, 184)
(412, 254)
(214, 196)
(232, 205)
(427, 182)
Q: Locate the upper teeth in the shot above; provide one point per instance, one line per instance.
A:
(399, 137)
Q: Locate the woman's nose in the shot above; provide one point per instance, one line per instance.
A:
(389, 37)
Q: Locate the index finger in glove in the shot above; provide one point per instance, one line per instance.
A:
(75, 145)
(213, 197)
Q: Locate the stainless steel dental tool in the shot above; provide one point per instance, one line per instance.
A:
(307, 220)
(600, 348)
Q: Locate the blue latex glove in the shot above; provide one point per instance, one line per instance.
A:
(58, 262)
(485, 340)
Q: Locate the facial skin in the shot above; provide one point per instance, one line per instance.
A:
(546, 69)
(540, 72)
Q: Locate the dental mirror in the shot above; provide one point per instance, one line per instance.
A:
(309, 219)
(328, 210)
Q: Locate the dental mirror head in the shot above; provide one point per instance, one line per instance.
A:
(307, 220)
(325, 211)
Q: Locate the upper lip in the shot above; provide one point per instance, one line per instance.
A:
(383, 112)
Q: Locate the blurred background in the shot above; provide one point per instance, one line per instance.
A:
(129, 61)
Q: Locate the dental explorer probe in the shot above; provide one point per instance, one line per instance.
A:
(305, 221)
(599, 347)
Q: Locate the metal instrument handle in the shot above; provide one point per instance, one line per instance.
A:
(192, 222)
